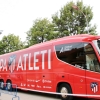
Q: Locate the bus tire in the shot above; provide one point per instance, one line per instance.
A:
(65, 88)
(2, 84)
(9, 86)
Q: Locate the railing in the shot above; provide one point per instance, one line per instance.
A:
(10, 89)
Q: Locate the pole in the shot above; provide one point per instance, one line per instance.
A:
(76, 8)
(1, 31)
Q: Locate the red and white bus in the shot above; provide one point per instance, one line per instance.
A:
(66, 65)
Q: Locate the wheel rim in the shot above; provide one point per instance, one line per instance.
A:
(64, 90)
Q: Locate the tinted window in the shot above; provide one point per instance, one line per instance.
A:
(97, 44)
(72, 53)
(78, 54)
(92, 62)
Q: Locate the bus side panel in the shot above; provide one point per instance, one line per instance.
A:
(60, 72)
(39, 75)
(12, 69)
(47, 73)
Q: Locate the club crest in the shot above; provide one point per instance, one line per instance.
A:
(94, 87)
(11, 63)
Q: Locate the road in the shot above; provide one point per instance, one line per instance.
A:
(29, 95)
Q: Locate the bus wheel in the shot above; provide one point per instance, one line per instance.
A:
(65, 88)
(2, 84)
(9, 85)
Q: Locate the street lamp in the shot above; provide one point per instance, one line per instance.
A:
(1, 32)
(76, 8)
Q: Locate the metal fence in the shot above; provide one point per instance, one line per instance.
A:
(10, 89)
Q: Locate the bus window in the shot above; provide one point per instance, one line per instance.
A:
(91, 59)
(97, 44)
(81, 55)
(72, 53)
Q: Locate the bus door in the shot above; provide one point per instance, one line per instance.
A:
(92, 71)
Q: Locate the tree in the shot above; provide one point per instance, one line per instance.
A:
(42, 30)
(74, 18)
(10, 43)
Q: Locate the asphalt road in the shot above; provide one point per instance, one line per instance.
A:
(29, 95)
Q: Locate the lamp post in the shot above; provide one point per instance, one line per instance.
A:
(76, 8)
(1, 32)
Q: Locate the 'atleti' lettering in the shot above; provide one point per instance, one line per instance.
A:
(31, 59)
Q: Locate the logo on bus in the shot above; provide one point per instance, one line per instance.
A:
(11, 63)
(94, 87)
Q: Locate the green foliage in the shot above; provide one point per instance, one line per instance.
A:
(10, 43)
(42, 30)
(68, 21)
(71, 21)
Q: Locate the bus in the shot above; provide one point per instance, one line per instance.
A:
(68, 66)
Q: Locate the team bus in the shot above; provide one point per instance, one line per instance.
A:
(68, 65)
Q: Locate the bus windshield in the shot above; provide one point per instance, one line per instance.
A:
(97, 44)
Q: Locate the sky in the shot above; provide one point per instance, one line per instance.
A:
(17, 16)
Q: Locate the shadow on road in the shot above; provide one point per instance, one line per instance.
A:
(50, 95)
